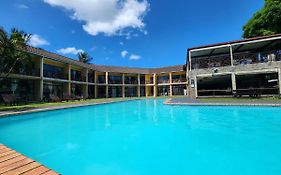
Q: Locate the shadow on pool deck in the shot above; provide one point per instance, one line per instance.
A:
(225, 102)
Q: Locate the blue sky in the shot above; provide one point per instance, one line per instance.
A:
(144, 33)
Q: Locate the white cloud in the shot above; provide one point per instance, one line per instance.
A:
(135, 57)
(69, 50)
(21, 6)
(109, 17)
(37, 41)
(124, 53)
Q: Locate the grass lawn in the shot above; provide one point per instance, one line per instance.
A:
(52, 104)
(243, 99)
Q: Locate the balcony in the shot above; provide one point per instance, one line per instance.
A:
(179, 80)
(211, 61)
(115, 79)
(28, 72)
(149, 82)
(256, 57)
(131, 80)
(91, 78)
(78, 78)
(55, 75)
(101, 79)
(163, 80)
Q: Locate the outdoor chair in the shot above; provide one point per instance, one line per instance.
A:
(67, 97)
(54, 98)
(9, 99)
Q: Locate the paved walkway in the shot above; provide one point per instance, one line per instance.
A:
(195, 102)
(14, 163)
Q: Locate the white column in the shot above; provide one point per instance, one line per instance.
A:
(231, 55)
(195, 87)
(189, 59)
(106, 82)
(233, 80)
(155, 85)
(171, 81)
(279, 78)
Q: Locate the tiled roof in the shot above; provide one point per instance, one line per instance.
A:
(103, 68)
(234, 42)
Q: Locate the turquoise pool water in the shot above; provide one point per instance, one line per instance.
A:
(148, 138)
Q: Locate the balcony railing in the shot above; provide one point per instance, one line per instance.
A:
(242, 58)
(61, 76)
(179, 80)
(115, 81)
(166, 81)
(149, 82)
(31, 72)
(78, 78)
(131, 80)
(101, 79)
(209, 62)
(256, 57)
(90, 78)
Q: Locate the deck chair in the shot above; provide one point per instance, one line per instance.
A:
(8, 99)
(54, 98)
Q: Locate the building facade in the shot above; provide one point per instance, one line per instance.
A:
(222, 69)
(54, 74)
(243, 66)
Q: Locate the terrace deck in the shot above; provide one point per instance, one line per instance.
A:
(14, 163)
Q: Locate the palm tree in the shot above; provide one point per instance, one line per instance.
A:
(84, 57)
(13, 50)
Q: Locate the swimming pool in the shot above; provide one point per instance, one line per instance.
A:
(145, 137)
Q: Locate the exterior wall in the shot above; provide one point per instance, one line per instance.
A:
(268, 67)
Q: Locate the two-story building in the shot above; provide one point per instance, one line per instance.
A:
(238, 66)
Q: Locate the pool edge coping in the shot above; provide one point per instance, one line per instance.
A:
(29, 111)
(168, 102)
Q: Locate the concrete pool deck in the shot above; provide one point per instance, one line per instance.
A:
(197, 102)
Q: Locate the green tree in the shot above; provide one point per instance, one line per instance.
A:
(84, 57)
(13, 55)
(267, 21)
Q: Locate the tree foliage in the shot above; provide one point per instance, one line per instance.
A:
(12, 51)
(84, 57)
(267, 21)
